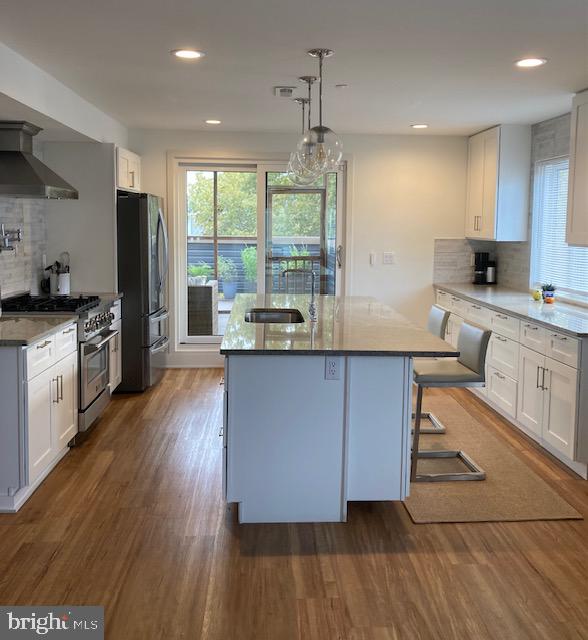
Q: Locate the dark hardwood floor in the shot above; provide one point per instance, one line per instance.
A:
(133, 519)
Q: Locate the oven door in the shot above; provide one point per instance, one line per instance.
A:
(94, 367)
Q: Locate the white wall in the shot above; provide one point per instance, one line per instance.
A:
(404, 191)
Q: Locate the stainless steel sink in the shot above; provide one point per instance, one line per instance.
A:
(273, 315)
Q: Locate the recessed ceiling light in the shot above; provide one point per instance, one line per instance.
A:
(188, 54)
(419, 126)
(212, 121)
(528, 63)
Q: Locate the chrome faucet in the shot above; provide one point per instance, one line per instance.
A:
(312, 308)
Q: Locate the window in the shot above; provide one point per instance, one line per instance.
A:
(554, 261)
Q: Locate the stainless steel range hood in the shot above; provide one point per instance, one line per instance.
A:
(22, 175)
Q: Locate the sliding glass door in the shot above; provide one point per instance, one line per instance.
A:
(245, 229)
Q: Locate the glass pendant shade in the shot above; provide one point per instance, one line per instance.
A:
(298, 174)
(320, 150)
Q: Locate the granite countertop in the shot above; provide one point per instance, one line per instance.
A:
(21, 331)
(345, 326)
(567, 318)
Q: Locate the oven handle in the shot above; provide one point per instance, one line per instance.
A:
(159, 346)
(91, 347)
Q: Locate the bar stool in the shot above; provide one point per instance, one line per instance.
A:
(436, 324)
(467, 371)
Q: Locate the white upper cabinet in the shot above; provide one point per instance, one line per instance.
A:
(128, 170)
(499, 165)
(577, 227)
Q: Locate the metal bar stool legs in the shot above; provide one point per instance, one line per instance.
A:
(474, 471)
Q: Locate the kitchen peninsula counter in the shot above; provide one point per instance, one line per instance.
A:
(318, 413)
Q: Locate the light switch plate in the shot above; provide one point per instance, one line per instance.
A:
(388, 257)
(373, 258)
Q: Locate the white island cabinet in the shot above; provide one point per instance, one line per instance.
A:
(39, 373)
(317, 413)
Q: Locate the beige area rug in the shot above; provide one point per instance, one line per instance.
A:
(511, 491)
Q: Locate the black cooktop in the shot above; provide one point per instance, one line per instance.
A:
(49, 304)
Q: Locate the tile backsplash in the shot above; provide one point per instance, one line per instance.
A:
(20, 270)
(453, 259)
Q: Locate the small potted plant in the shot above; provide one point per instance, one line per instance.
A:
(198, 274)
(249, 260)
(548, 293)
(227, 272)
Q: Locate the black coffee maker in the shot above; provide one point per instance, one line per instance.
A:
(483, 267)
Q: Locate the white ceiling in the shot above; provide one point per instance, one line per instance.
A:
(445, 62)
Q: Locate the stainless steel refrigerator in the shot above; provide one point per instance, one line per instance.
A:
(142, 253)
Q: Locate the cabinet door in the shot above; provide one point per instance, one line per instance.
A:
(134, 177)
(559, 407)
(64, 414)
(475, 193)
(577, 222)
(530, 393)
(502, 390)
(122, 169)
(115, 358)
(41, 395)
(490, 185)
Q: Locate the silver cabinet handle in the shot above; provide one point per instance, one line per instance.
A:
(60, 386)
(538, 385)
(502, 317)
(558, 337)
(475, 306)
(499, 375)
(132, 174)
(501, 339)
(543, 379)
(56, 380)
(44, 344)
(70, 330)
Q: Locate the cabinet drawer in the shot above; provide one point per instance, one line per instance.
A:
(506, 326)
(533, 336)
(40, 356)
(66, 341)
(503, 354)
(478, 314)
(458, 306)
(562, 348)
(442, 298)
(502, 391)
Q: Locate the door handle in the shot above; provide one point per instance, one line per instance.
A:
(60, 386)
(543, 379)
(56, 380)
(339, 254)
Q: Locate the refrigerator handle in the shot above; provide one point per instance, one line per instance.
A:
(163, 274)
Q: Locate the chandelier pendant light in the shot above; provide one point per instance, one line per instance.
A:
(297, 173)
(319, 150)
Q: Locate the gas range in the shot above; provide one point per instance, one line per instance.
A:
(93, 315)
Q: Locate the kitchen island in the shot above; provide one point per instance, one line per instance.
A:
(318, 412)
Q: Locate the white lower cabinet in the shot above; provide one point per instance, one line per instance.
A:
(52, 414)
(502, 390)
(530, 401)
(41, 394)
(548, 392)
(559, 406)
(533, 376)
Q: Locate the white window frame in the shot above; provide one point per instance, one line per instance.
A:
(178, 165)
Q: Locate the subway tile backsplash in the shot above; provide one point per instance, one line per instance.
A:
(20, 270)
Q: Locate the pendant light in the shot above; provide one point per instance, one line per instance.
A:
(297, 173)
(320, 150)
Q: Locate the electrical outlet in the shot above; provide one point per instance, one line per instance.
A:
(332, 367)
(388, 257)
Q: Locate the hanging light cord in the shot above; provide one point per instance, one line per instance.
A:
(320, 89)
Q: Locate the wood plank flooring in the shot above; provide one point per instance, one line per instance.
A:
(133, 519)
